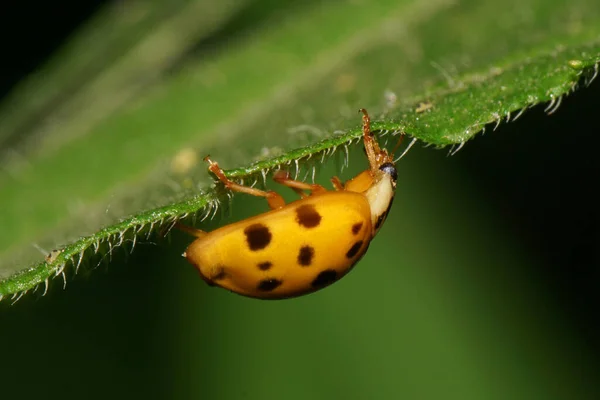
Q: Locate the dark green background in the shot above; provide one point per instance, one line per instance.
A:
(481, 285)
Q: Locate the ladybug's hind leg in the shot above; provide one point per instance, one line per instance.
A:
(283, 178)
(275, 200)
(192, 231)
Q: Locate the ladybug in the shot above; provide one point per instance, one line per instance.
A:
(303, 246)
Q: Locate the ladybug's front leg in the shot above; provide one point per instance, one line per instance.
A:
(283, 178)
(275, 200)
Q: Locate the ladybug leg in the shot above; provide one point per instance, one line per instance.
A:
(371, 146)
(275, 200)
(283, 178)
(192, 231)
(300, 192)
(337, 183)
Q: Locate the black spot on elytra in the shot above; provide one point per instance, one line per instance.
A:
(265, 266)
(258, 236)
(308, 216)
(354, 249)
(356, 228)
(268, 285)
(324, 278)
(306, 255)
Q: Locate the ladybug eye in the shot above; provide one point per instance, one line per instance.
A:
(390, 169)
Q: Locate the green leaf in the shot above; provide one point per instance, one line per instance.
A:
(108, 152)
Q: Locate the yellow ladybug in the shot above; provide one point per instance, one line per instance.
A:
(303, 246)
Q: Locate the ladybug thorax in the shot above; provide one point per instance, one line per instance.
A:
(380, 195)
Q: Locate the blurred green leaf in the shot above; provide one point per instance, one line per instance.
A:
(284, 88)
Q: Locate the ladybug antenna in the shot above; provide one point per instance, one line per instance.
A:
(412, 142)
